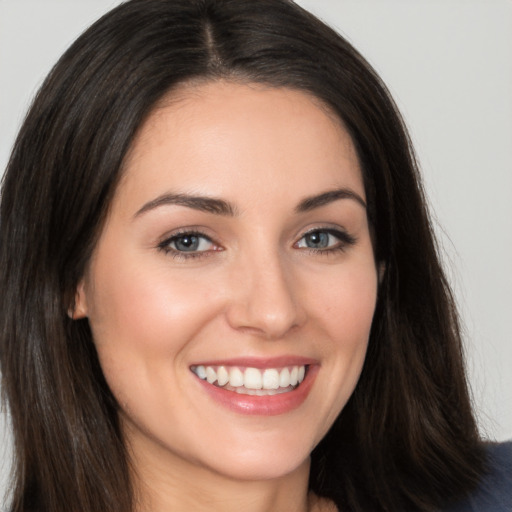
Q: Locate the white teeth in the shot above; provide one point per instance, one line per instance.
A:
(294, 376)
(211, 375)
(236, 377)
(252, 380)
(284, 378)
(222, 376)
(200, 372)
(271, 378)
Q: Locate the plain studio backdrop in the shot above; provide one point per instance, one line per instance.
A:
(448, 64)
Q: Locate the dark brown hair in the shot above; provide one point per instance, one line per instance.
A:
(407, 439)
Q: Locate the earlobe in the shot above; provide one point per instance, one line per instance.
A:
(78, 309)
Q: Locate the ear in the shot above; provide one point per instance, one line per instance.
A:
(79, 309)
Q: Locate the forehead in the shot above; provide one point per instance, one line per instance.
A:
(201, 135)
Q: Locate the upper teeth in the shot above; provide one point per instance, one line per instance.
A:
(251, 378)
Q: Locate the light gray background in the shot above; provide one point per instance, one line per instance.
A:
(448, 64)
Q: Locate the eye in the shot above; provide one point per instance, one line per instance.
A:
(317, 240)
(325, 240)
(190, 243)
(187, 244)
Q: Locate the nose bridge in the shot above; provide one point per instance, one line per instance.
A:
(264, 300)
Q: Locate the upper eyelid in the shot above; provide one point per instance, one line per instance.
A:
(165, 242)
(334, 230)
(186, 231)
(345, 240)
(329, 229)
(180, 234)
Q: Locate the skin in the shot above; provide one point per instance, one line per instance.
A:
(253, 290)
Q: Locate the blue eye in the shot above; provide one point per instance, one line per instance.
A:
(187, 244)
(318, 240)
(325, 240)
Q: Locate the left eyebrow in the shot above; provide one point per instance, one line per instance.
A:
(201, 203)
(312, 202)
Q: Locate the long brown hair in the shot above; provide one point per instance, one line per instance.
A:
(407, 438)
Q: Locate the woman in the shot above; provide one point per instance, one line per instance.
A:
(220, 286)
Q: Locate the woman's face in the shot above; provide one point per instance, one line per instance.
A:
(232, 290)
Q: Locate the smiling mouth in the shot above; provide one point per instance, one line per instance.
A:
(253, 381)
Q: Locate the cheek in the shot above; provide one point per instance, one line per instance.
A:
(345, 303)
(345, 311)
(341, 305)
(145, 306)
(143, 318)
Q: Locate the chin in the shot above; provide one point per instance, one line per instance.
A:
(263, 460)
(260, 468)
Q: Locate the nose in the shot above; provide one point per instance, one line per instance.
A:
(264, 301)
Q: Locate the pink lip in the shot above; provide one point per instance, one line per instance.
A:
(260, 362)
(270, 405)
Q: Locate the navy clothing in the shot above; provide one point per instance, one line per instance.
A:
(494, 494)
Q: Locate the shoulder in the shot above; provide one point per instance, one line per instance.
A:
(494, 493)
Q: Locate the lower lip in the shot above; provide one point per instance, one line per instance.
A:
(267, 405)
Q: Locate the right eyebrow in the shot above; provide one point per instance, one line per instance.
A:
(312, 202)
(201, 203)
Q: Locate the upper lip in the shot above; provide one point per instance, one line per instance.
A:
(260, 362)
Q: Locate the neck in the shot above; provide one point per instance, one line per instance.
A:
(216, 494)
(170, 483)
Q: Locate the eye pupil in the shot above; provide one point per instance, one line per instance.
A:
(317, 239)
(187, 243)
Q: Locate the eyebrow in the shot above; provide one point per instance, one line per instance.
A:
(201, 203)
(222, 207)
(312, 202)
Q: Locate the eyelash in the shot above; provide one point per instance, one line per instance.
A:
(345, 240)
(175, 253)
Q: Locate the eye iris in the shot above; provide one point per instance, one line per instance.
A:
(187, 243)
(317, 239)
